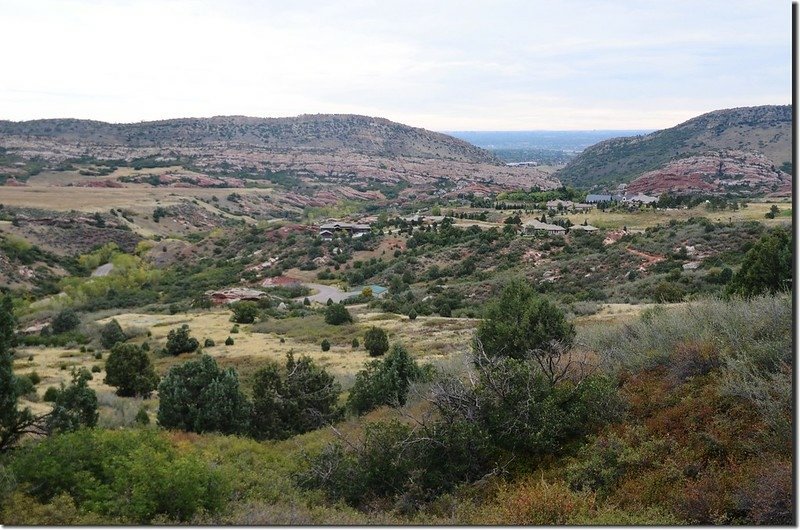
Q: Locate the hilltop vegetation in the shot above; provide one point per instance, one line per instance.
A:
(765, 130)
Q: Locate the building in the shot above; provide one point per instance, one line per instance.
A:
(594, 199)
(538, 227)
(586, 228)
(328, 230)
(554, 204)
(643, 199)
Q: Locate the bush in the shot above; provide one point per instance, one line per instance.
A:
(244, 312)
(767, 267)
(142, 418)
(75, 406)
(376, 341)
(412, 315)
(208, 343)
(326, 345)
(355, 344)
(134, 475)
(50, 394)
(96, 369)
(197, 396)
(98, 355)
(179, 341)
(35, 378)
(337, 314)
(111, 334)
(66, 320)
(384, 382)
(229, 341)
(235, 329)
(298, 399)
(129, 369)
(522, 324)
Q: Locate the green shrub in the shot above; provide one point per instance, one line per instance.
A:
(129, 369)
(65, 320)
(197, 396)
(355, 344)
(142, 418)
(376, 341)
(111, 334)
(326, 345)
(767, 267)
(209, 343)
(50, 394)
(300, 398)
(96, 369)
(229, 341)
(337, 314)
(134, 475)
(75, 406)
(521, 324)
(244, 312)
(179, 341)
(384, 382)
(34, 377)
(98, 355)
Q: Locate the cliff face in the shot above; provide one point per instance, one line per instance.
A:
(765, 130)
(735, 172)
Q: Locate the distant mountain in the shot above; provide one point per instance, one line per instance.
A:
(310, 132)
(346, 154)
(567, 141)
(765, 130)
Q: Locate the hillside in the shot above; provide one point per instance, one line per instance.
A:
(318, 133)
(765, 130)
(321, 158)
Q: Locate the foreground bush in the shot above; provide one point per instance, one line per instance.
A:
(384, 382)
(300, 398)
(129, 369)
(130, 475)
(197, 396)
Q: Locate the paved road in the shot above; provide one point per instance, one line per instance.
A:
(326, 291)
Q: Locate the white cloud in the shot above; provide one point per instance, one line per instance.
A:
(513, 64)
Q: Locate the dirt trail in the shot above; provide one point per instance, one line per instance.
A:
(649, 259)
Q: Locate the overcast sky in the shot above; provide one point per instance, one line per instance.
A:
(439, 64)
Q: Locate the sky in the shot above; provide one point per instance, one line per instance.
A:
(439, 64)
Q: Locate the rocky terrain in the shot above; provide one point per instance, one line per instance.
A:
(337, 149)
(765, 130)
(716, 173)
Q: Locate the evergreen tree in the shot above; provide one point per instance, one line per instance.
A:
(13, 422)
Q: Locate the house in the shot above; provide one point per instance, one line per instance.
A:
(643, 199)
(534, 227)
(554, 204)
(328, 230)
(582, 206)
(594, 199)
(585, 228)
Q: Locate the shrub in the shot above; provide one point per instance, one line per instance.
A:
(111, 334)
(66, 320)
(149, 477)
(96, 369)
(376, 341)
(384, 382)
(521, 324)
(306, 301)
(129, 369)
(35, 378)
(209, 343)
(98, 355)
(412, 315)
(142, 418)
(298, 399)
(229, 341)
(197, 396)
(337, 314)
(355, 344)
(50, 394)
(179, 341)
(235, 329)
(244, 312)
(767, 267)
(75, 406)
(326, 345)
